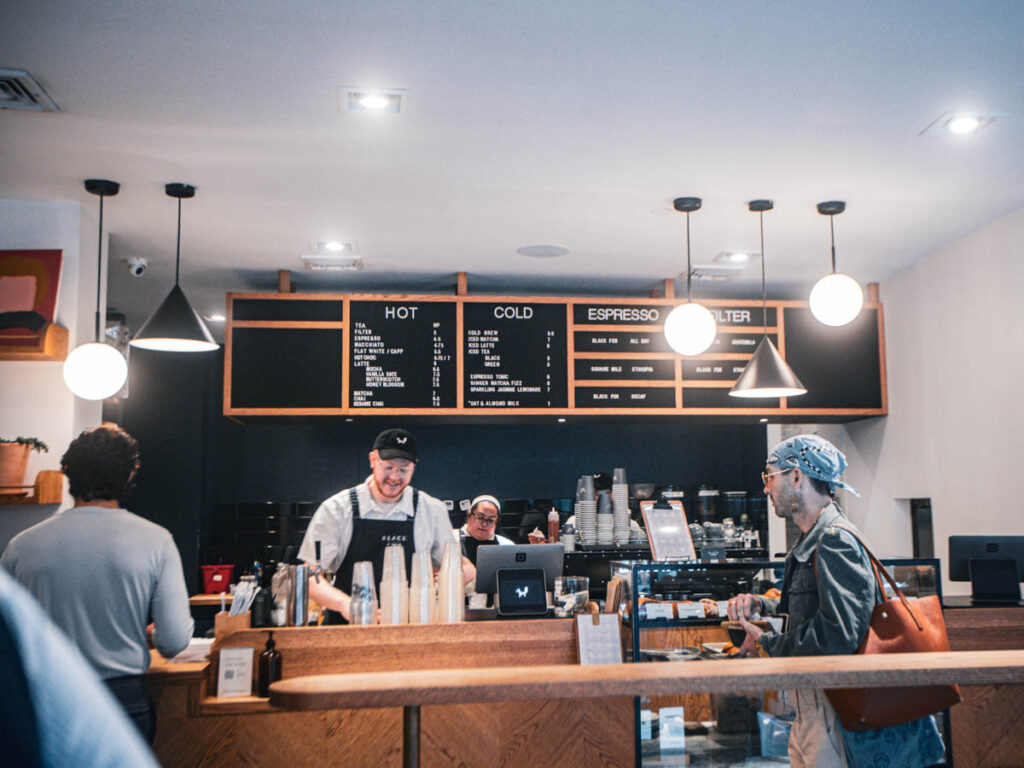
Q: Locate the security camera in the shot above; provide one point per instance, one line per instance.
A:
(137, 266)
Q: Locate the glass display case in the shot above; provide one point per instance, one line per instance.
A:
(674, 613)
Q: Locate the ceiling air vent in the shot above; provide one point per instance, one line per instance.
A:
(318, 263)
(19, 90)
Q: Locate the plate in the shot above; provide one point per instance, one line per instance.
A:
(717, 650)
(688, 653)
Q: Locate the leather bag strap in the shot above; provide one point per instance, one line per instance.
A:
(879, 570)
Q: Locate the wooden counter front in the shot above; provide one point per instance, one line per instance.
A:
(195, 728)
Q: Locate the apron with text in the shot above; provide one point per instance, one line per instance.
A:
(369, 539)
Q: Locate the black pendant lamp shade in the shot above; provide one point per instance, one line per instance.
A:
(176, 326)
(766, 375)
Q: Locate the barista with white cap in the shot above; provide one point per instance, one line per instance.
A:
(481, 526)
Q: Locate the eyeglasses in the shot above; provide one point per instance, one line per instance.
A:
(766, 476)
(391, 469)
(487, 522)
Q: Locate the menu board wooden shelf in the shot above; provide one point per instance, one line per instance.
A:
(480, 357)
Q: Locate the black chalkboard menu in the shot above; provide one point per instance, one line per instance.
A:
(483, 356)
(402, 354)
(515, 355)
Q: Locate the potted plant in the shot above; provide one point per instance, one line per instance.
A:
(13, 462)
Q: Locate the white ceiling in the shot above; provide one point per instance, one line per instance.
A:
(572, 123)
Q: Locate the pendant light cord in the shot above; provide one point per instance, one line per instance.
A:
(689, 269)
(99, 270)
(177, 255)
(764, 291)
(832, 229)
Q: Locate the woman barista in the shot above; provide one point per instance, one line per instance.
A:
(359, 523)
(481, 526)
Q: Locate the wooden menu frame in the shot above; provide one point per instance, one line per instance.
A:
(668, 384)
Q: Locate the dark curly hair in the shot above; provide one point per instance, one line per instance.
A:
(100, 464)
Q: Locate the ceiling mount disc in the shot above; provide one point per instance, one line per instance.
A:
(760, 205)
(686, 204)
(102, 187)
(179, 190)
(831, 208)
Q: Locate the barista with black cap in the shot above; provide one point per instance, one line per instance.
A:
(359, 523)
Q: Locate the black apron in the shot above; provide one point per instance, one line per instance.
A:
(471, 545)
(369, 540)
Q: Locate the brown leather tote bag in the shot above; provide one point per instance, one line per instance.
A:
(897, 626)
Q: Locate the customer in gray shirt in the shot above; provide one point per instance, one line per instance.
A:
(101, 572)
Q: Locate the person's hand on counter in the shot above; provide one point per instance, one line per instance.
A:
(743, 608)
(536, 537)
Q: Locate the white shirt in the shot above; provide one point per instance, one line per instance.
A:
(497, 537)
(332, 524)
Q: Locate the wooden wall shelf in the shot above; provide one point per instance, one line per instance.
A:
(49, 343)
(47, 489)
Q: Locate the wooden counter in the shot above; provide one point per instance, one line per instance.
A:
(988, 726)
(195, 728)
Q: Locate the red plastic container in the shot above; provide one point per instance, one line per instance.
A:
(217, 578)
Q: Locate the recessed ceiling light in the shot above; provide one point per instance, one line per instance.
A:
(353, 98)
(735, 258)
(334, 247)
(543, 251)
(216, 318)
(963, 123)
(764, 421)
(373, 100)
(561, 421)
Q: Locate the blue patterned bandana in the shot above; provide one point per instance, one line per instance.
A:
(813, 455)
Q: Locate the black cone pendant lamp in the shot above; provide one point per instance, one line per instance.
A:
(766, 375)
(175, 326)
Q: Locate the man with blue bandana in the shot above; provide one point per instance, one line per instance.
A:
(829, 602)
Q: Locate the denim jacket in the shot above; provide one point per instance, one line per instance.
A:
(828, 615)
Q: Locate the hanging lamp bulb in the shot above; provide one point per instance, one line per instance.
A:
(95, 370)
(836, 299)
(690, 328)
(175, 326)
(766, 374)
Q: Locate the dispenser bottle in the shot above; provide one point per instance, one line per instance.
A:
(553, 526)
(270, 666)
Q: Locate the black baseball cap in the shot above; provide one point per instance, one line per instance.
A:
(395, 444)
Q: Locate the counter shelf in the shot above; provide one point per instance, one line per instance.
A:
(716, 724)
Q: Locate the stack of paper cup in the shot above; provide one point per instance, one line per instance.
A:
(363, 608)
(605, 518)
(451, 602)
(620, 503)
(422, 594)
(586, 510)
(394, 588)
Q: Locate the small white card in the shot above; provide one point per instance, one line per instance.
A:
(599, 643)
(689, 611)
(646, 718)
(723, 609)
(234, 675)
(777, 622)
(660, 611)
(671, 729)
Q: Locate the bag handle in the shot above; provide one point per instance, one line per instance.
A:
(877, 567)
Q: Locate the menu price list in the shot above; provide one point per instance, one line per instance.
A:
(402, 355)
(620, 341)
(625, 397)
(621, 368)
(515, 355)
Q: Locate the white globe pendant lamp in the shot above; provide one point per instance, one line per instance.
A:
(96, 371)
(690, 328)
(836, 299)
